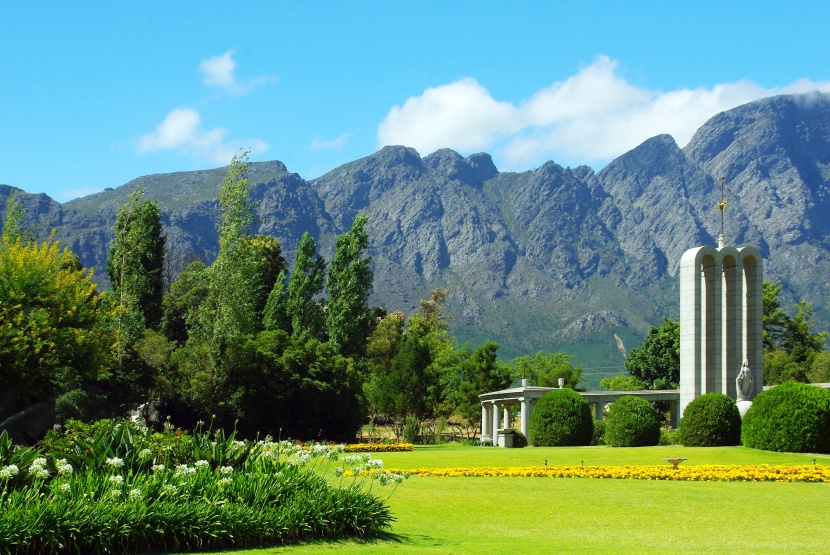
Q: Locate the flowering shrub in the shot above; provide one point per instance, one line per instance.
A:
(119, 495)
(704, 473)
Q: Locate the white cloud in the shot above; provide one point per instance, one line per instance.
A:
(181, 131)
(593, 116)
(219, 71)
(336, 144)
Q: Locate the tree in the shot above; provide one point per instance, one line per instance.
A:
(790, 346)
(349, 284)
(14, 225)
(544, 369)
(234, 279)
(55, 329)
(475, 374)
(657, 362)
(135, 264)
(304, 285)
(275, 315)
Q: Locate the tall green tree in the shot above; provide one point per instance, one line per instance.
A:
(657, 362)
(349, 284)
(275, 316)
(135, 263)
(234, 277)
(305, 285)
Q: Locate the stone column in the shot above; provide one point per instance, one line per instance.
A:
(496, 426)
(598, 408)
(525, 421)
(484, 420)
(507, 422)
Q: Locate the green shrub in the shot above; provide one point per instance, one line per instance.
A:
(561, 418)
(792, 417)
(519, 439)
(632, 422)
(599, 433)
(669, 436)
(711, 420)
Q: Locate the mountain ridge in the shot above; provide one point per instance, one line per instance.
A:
(553, 257)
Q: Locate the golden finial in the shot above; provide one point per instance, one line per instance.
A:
(722, 206)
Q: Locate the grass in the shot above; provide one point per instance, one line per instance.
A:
(542, 515)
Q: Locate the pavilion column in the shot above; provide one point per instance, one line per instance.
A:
(507, 422)
(525, 420)
(496, 426)
(598, 408)
(484, 420)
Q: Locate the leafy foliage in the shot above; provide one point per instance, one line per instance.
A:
(544, 369)
(561, 418)
(657, 362)
(791, 417)
(55, 329)
(790, 346)
(349, 284)
(304, 286)
(475, 374)
(711, 420)
(632, 422)
(623, 382)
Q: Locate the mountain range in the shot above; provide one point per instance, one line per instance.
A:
(552, 258)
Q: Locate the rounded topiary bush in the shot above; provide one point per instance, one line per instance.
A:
(632, 422)
(711, 420)
(792, 417)
(560, 418)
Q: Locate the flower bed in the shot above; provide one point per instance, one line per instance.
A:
(377, 447)
(702, 473)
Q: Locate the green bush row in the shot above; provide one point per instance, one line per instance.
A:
(791, 417)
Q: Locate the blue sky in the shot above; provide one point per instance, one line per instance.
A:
(94, 94)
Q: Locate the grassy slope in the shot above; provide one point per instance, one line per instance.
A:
(540, 515)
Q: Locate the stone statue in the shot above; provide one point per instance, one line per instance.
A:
(744, 382)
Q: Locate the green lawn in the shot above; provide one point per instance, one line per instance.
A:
(545, 515)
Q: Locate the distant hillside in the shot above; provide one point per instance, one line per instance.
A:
(555, 258)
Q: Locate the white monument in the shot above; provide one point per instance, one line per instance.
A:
(721, 320)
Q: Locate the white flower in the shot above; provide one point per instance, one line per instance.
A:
(169, 488)
(135, 493)
(226, 470)
(158, 468)
(115, 462)
(225, 481)
(145, 454)
(38, 471)
(374, 463)
(338, 472)
(183, 469)
(9, 471)
(352, 459)
(202, 464)
(63, 467)
(65, 487)
(117, 480)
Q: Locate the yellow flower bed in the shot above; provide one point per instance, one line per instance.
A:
(702, 473)
(377, 447)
